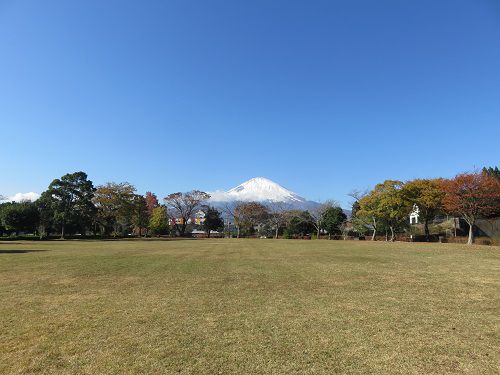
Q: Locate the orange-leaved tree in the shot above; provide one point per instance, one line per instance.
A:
(471, 196)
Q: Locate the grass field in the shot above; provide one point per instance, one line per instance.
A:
(248, 306)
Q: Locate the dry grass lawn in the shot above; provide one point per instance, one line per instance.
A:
(248, 307)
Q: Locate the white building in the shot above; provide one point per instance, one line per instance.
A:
(414, 215)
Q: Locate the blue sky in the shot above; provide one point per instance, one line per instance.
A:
(319, 96)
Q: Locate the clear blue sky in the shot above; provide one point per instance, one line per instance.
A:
(319, 96)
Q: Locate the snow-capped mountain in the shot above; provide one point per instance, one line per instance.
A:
(260, 189)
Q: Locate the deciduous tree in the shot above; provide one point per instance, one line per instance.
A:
(360, 223)
(385, 205)
(158, 223)
(251, 214)
(471, 196)
(317, 215)
(151, 202)
(231, 212)
(182, 206)
(278, 215)
(115, 205)
(368, 213)
(392, 206)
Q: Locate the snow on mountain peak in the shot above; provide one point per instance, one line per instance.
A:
(258, 189)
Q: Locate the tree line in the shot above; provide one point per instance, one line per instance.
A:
(276, 218)
(73, 205)
(387, 206)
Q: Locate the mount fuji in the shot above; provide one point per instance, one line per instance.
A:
(260, 189)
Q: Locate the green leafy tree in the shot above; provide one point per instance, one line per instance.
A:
(116, 207)
(369, 214)
(213, 221)
(358, 222)
(19, 217)
(385, 206)
(428, 196)
(70, 199)
(392, 205)
(299, 223)
(45, 215)
(158, 223)
(140, 215)
(332, 219)
(3, 206)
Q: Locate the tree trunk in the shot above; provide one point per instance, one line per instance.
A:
(470, 240)
(373, 234)
(426, 229)
(392, 233)
(62, 231)
(182, 229)
(208, 233)
(329, 236)
(386, 235)
(276, 234)
(238, 231)
(318, 233)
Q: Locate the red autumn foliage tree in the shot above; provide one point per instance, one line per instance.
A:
(151, 202)
(471, 196)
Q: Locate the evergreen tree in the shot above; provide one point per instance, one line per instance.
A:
(140, 215)
(332, 218)
(213, 221)
(70, 201)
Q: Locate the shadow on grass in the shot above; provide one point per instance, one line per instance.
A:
(20, 251)
(130, 239)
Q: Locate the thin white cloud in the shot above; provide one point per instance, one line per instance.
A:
(220, 196)
(20, 197)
